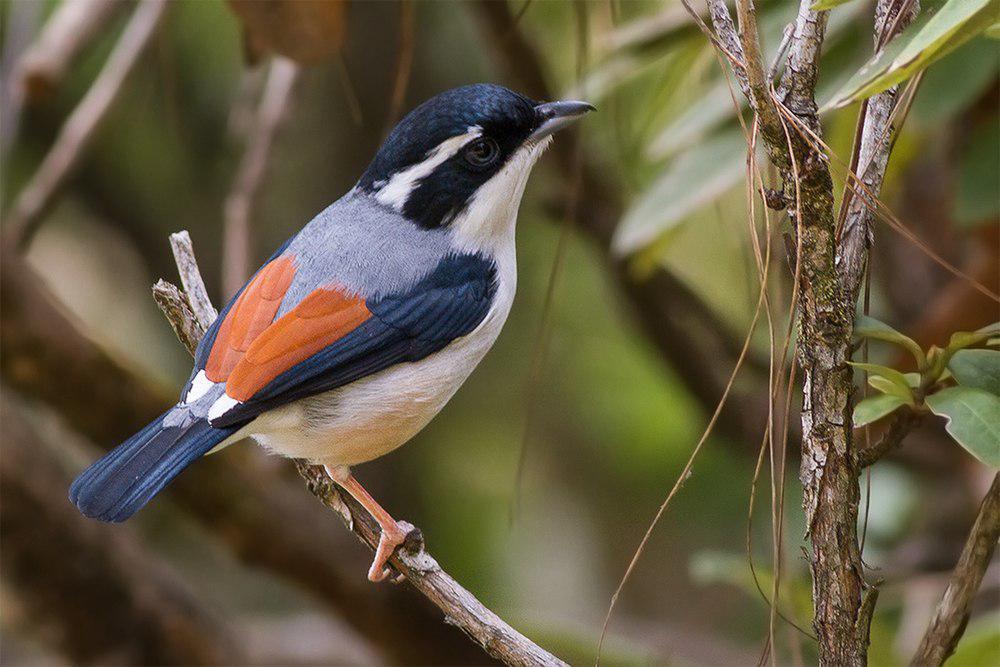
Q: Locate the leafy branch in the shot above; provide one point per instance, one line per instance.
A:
(957, 382)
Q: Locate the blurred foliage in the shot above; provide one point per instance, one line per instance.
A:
(615, 423)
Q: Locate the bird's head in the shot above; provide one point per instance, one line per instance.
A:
(462, 158)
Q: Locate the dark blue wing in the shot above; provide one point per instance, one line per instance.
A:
(448, 303)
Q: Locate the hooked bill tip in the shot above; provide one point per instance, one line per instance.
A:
(554, 116)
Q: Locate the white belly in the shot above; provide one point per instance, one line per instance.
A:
(375, 415)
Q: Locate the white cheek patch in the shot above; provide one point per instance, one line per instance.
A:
(199, 387)
(221, 406)
(397, 189)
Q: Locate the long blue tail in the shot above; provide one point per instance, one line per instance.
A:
(120, 483)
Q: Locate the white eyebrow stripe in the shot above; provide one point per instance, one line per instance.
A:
(397, 190)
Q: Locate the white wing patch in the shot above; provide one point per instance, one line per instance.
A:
(199, 387)
(222, 405)
(397, 190)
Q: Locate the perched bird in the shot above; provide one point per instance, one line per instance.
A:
(360, 328)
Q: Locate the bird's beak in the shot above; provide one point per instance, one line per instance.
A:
(554, 116)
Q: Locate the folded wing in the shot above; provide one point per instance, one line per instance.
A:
(334, 337)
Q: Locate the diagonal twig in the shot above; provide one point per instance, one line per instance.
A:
(273, 107)
(72, 26)
(79, 129)
(952, 614)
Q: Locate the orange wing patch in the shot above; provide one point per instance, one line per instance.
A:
(323, 317)
(252, 313)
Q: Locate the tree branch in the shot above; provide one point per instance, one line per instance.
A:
(79, 129)
(726, 33)
(461, 608)
(827, 292)
(73, 24)
(753, 63)
(872, 156)
(274, 103)
(952, 614)
(902, 423)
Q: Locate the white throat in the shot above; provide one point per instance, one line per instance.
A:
(487, 222)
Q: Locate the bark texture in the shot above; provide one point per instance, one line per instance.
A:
(829, 271)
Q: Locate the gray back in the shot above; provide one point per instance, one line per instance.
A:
(363, 246)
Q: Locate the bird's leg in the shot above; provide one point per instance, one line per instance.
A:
(393, 534)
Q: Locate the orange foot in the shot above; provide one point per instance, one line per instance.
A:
(393, 535)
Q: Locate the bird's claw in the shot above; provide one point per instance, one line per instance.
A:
(390, 538)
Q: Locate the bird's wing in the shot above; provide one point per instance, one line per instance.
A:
(333, 337)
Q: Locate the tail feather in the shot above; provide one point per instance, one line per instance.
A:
(120, 483)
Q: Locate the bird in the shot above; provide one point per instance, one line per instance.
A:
(359, 329)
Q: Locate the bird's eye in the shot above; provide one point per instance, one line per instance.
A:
(482, 152)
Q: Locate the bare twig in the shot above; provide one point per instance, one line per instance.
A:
(872, 157)
(185, 324)
(779, 57)
(236, 251)
(753, 62)
(902, 423)
(460, 607)
(76, 134)
(952, 614)
(725, 30)
(194, 287)
(73, 24)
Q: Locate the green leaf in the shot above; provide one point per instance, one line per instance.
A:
(979, 369)
(990, 329)
(913, 379)
(933, 35)
(955, 82)
(963, 339)
(886, 380)
(973, 420)
(827, 4)
(693, 180)
(869, 327)
(874, 408)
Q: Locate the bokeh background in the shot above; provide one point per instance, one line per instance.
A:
(636, 287)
